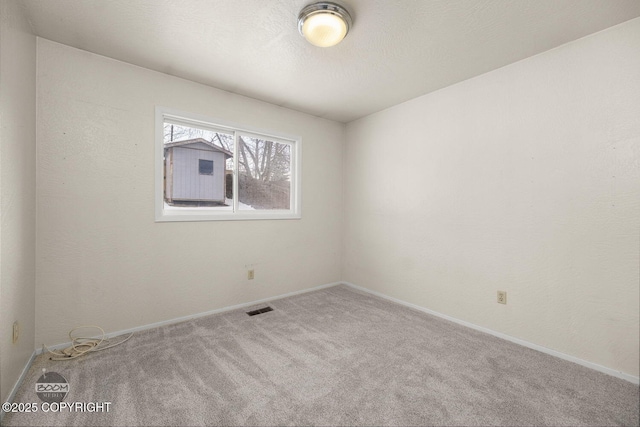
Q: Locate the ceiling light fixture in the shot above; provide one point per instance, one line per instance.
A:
(324, 23)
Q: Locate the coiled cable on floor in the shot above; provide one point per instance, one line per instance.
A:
(83, 345)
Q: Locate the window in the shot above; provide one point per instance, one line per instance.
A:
(256, 173)
(205, 167)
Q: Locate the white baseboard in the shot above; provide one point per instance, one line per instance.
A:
(195, 316)
(18, 383)
(591, 365)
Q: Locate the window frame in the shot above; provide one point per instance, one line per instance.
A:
(231, 213)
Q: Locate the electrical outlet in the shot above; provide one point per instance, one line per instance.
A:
(250, 274)
(16, 331)
(502, 297)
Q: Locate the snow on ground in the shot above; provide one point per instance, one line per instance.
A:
(241, 206)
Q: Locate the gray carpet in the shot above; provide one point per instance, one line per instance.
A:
(331, 357)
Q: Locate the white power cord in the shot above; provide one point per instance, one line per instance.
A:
(82, 345)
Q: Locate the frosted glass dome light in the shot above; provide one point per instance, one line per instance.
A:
(324, 24)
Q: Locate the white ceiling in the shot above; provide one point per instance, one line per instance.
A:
(396, 50)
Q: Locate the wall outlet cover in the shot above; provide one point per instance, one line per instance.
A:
(16, 331)
(502, 297)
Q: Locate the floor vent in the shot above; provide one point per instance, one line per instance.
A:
(259, 311)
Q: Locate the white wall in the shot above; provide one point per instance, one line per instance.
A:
(101, 257)
(525, 180)
(17, 191)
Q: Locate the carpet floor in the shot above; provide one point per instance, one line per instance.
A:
(332, 357)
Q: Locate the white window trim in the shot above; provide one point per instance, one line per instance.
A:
(231, 213)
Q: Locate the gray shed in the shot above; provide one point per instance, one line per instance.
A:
(194, 172)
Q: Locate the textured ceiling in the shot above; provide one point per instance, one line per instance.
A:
(396, 50)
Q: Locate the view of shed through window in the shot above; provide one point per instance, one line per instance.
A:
(199, 170)
(197, 163)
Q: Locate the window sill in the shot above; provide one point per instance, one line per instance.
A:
(207, 215)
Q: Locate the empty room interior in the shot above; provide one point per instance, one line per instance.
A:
(288, 212)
